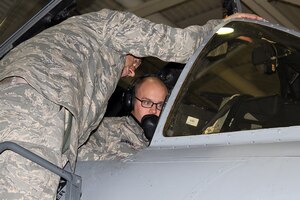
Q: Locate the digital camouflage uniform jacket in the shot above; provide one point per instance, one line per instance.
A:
(116, 138)
(77, 63)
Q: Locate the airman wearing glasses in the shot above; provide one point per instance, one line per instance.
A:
(150, 94)
(120, 137)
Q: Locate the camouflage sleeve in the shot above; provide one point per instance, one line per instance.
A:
(115, 138)
(128, 33)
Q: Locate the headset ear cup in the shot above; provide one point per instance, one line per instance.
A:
(132, 92)
(128, 99)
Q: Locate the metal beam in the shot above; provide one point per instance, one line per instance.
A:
(154, 6)
(202, 18)
(139, 8)
(277, 15)
(269, 12)
(295, 2)
(259, 10)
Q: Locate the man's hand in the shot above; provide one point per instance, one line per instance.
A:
(245, 15)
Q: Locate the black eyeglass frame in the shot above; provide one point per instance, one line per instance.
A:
(152, 103)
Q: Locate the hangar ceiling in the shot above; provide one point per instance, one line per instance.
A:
(181, 13)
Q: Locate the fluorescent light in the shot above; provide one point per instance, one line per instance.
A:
(225, 30)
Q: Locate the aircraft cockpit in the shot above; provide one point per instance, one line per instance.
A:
(245, 79)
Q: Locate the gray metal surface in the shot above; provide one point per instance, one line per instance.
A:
(221, 172)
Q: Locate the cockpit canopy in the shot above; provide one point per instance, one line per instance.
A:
(243, 80)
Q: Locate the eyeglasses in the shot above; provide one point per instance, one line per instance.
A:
(149, 104)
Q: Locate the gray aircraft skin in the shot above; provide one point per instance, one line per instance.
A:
(249, 151)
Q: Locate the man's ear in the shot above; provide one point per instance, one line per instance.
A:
(131, 72)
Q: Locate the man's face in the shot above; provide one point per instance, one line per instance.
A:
(152, 90)
(131, 64)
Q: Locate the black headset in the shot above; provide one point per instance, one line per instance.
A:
(129, 95)
(168, 76)
(128, 98)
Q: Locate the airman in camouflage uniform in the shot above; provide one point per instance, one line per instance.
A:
(120, 137)
(62, 80)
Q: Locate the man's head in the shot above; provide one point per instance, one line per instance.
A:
(131, 64)
(149, 97)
